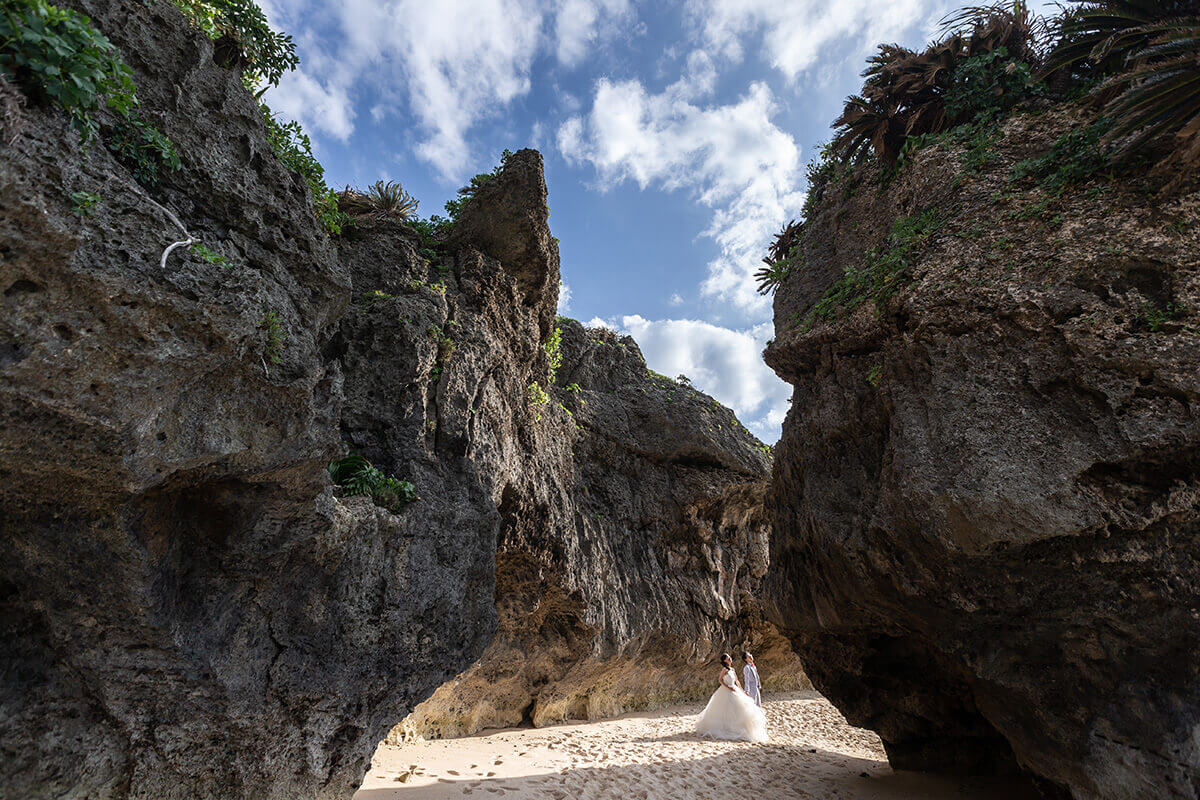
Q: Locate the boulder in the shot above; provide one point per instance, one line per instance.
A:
(987, 498)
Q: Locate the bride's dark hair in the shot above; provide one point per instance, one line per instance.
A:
(725, 657)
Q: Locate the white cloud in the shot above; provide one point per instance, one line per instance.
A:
(450, 64)
(580, 23)
(676, 299)
(732, 158)
(723, 362)
(699, 77)
(318, 107)
(795, 35)
(458, 59)
(564, 298)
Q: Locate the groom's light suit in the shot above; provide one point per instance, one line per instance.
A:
(750, 680)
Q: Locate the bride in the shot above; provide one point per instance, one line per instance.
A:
(730, 713)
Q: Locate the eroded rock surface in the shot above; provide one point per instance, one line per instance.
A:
(620, 593)
(190, 609)
(987, 495)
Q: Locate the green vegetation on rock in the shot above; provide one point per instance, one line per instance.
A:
(56, 56)
(359, 477)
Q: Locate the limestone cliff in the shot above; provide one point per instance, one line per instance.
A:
(623, 597)
(190, 608)
(987, 495)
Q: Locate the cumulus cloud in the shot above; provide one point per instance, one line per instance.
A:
(731, 158)
(793, 36)
(580, 23)
(722, 362)
(564, 298)
(457, 59)
(676, 299)
(452, 63)
(318, 107)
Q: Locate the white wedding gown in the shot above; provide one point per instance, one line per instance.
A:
(731, 714)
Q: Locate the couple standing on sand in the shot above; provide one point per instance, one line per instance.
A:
(732, 713)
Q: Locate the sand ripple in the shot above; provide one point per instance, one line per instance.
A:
(813, 753)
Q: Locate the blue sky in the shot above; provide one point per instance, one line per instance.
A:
(675, 136)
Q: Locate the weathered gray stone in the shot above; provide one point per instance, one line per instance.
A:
(190, 609)
(987, 495)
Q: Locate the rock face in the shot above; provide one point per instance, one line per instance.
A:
(987, 494)
(190, 609)
(621, 592)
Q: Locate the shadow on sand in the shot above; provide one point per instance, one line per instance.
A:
(760, 771)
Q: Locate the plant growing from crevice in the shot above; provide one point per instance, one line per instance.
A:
(1154, 317)
(367, 300)
(552, 347)
(886, 269)
(83, 203)
(276, 336)
(141, 147)
(210, 256)
(537, 397)
(359, 477)
(1076, 156)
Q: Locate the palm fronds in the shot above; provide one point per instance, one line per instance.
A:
(1102, 35)
(382, 199)
(1160, 94)
(983, 29)
(781, 258)
(1150, 51)
(905, 91)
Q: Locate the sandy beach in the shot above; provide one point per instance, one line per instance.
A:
(813, 753)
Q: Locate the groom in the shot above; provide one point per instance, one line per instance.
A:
(750, 678)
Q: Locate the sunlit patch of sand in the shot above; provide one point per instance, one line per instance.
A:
(813, 753)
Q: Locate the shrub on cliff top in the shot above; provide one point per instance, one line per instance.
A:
(382, 199)
(454, 207)
(981, 67)
(244, 38)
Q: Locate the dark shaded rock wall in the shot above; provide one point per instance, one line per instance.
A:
(620, 594)
(189, 608)
(987, 496)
